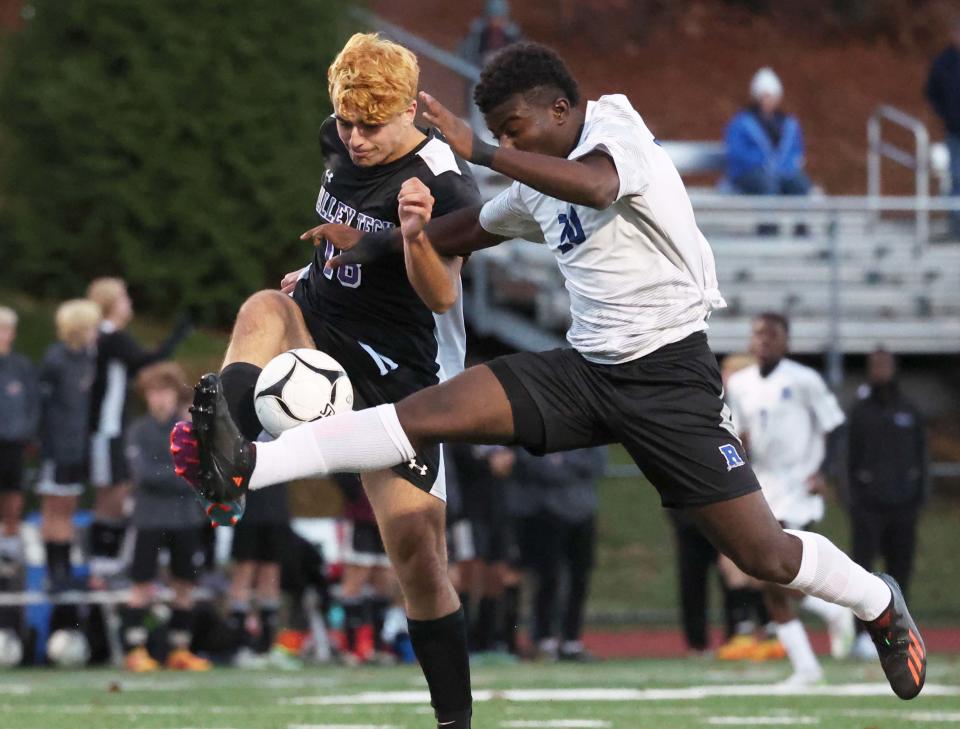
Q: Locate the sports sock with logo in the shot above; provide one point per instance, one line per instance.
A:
(239, 380)
(829, 574)
(441, 648)
(355, 442)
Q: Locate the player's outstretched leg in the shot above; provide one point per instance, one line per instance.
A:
(745, 530)
(472, 407)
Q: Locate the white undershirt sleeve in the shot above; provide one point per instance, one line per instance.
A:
(508, 215)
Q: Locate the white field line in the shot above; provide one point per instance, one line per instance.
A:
(692, 693)
(909, 715)
(17, 689)
(761, 720)
(559, 724)
(342, 726)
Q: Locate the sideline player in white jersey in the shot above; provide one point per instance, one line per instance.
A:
(784, 413)
(593, 184)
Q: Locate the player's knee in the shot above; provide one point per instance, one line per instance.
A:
(765, 559)
(416, 558)
(264, 308)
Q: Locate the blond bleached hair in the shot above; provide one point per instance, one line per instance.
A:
(105, 291)
(372, 79)
(8, 317)
(74, 319)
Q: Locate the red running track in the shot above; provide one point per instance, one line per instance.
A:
(669, 643)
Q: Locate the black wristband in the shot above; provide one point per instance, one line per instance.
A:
(482, 153)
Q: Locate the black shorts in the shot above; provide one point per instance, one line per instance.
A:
(11, 465)
(186, 553)
(363, 545)
(61, 479)
(665, 408)
(490, 541)
(377, 380)
(108, 461)
(259, 542)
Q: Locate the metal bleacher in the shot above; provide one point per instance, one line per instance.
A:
(866, 270)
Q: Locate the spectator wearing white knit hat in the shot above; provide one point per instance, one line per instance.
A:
(765, 145)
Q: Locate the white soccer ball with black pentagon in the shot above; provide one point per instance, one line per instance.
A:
(68, 648)
(301, 386)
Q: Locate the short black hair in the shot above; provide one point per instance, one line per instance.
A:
(774, 318)
(520, 68)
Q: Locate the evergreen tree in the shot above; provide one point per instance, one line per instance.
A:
(173, 143)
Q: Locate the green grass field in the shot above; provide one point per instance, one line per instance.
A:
(619, 695)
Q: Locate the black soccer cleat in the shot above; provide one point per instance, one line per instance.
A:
(226, 457)
(900, 645)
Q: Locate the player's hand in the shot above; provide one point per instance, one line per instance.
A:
(342, 236)
(817, 484)
(457, 132)
(289, 282)
(415, 208)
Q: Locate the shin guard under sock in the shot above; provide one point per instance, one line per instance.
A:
(239, 381)
(441, 647)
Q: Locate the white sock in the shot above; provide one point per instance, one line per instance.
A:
(828, 573)
(798, 648)
(826, 611)
(355, 442)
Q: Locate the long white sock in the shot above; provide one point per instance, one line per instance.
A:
(355, 442)
(828, 573)
(798, 648)
(827, 611)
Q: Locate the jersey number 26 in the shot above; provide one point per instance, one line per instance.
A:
(348, 276)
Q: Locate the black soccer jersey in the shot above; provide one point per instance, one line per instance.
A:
(375, 303)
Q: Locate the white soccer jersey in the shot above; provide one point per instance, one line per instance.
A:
(640, 273)
(785, 416)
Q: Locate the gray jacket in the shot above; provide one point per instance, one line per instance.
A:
(162, 500)
(562, 484)
(66, 377)
(19, 398)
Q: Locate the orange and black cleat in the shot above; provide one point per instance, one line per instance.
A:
(212, 455)
(900, 645)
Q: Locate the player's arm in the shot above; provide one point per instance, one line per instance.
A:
(591, 180)
(455, 234)
(433, 277)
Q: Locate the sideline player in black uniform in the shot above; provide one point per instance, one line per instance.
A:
(119, 358)
(593, 185)
(395, 325)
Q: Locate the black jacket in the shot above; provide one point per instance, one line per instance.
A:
(888, 464)
(943, 88)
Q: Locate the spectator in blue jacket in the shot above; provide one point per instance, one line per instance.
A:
(943, 92)
(765, 145)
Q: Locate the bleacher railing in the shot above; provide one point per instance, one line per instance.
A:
(918, 160)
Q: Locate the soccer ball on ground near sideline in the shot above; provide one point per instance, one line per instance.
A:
(11, 649)
(300, 386)
(68, 648)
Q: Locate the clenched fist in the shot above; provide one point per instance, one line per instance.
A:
(416, 206)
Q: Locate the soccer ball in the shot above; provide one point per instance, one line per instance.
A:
(11, 649)
(68, 648)
(300, 386)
